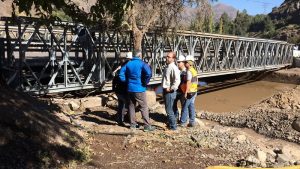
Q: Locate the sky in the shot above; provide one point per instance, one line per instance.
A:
(253, 7)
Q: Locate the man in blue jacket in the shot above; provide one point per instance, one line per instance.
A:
(136, 73)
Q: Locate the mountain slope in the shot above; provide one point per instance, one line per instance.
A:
(287, 19)
(287, 13)
(221, 8)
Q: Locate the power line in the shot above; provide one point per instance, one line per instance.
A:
(265, 5)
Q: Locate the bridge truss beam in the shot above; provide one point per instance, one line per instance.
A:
(66, 57)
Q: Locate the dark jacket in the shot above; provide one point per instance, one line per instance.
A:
(137, 74)
(118, 86)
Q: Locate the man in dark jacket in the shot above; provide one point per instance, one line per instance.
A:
(120, 88)
(136, 73)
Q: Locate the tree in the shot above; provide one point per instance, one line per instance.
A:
(103, 12)
(141, 15)
(225, 25)
(221, 26)
(201, 21)
(149, 13)
(241, 23)
(264, 25)
(257, 23)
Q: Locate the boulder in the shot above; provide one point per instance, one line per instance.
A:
(261, 156)
(291, 152)
(252, 160)
(91, 102)
(282, 158)
(296, 125)
(74, 105)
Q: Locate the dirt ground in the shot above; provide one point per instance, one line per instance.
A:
(209, 143)
(262, 134)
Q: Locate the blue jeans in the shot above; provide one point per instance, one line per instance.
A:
(179, 97)
(188, 111)
(169, 99)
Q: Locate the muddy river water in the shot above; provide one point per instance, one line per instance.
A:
(239, 97)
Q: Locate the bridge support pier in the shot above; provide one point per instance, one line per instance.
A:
(296, 62)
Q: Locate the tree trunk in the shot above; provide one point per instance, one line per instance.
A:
(137, 39)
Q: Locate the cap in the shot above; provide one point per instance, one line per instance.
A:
(190, 58)
(181, 58)
(129, 55)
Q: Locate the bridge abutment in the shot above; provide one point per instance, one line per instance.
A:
(296, 62)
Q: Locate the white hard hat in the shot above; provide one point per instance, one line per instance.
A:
(181, 58)
(190, 58)
(129, 55)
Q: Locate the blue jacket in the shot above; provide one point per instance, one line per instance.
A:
(136, 73)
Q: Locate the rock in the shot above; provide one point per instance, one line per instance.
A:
(263, 165)
(240, 139)
(291, 152)
(252, 159)
(169, 144)
(282, 158)
(261, 156)
(200, 123)
(271, 157)
(278, 165)
(211, 156)
(91, 102)
(296, 125)
(219, 128)
(151, 98)
(277, 151)
(73, 105)
(286, 107)
(132, 140)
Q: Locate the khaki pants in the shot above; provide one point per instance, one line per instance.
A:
(140, 98)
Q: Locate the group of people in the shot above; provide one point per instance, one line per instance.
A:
(179, 83)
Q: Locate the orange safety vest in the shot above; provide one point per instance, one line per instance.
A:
(194, 82)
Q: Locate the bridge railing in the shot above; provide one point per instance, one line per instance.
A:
(63, 57)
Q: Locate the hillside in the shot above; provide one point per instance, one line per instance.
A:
(287, 13)
(221, 8)
(286, 17)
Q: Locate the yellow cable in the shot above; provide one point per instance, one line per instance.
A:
(226, 167)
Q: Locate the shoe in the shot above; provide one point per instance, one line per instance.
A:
(172, 128)
(134, 126)
(149, 128)
(191, 125)
(183, 125)
(121, 124)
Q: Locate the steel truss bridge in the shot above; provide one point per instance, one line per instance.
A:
(66, 57)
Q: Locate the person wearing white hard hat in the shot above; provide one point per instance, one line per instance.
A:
(137, 74)
(170, 83)
(120, 88)
(179, 96)
(123, 60)
(190, 93)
